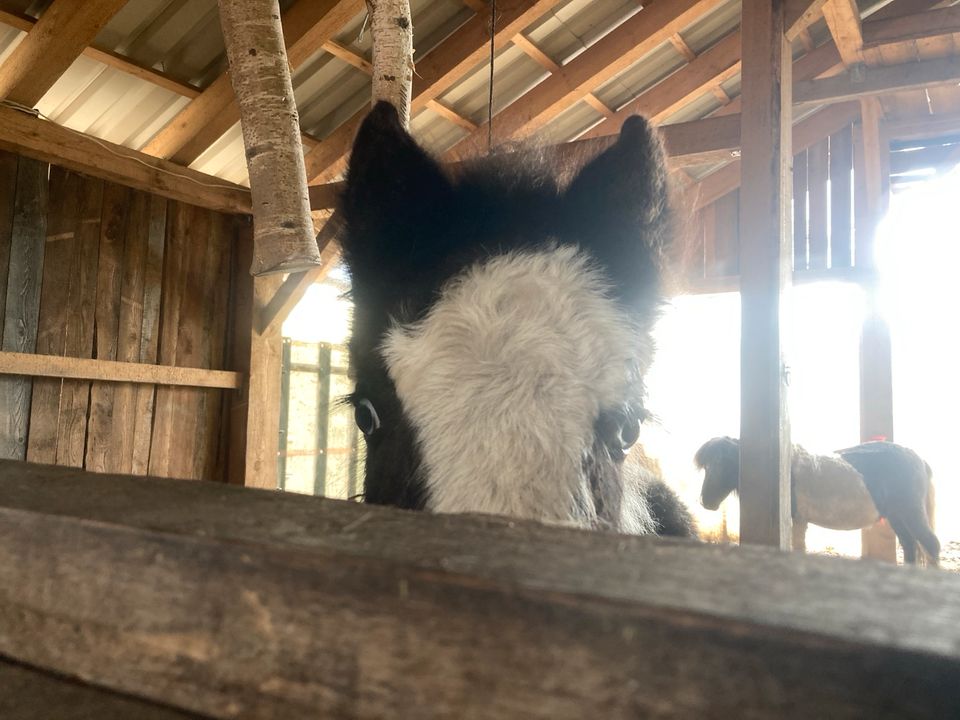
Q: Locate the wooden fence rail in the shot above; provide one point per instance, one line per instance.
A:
(233, 602)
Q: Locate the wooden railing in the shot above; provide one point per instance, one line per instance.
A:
(229, 603)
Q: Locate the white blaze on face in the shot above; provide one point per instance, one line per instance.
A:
(505, 377)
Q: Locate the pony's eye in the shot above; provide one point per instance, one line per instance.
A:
(629, 432)
(366, 417)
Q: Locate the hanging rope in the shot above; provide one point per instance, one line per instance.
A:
(493, 34)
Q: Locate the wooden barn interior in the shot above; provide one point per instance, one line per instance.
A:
(137, 348)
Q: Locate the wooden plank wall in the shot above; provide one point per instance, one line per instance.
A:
(89, 269)
(823, 212)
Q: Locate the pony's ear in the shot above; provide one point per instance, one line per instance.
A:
(393, 192)
(617, 208)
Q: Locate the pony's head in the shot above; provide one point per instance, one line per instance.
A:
(719, 459)
(502, 325)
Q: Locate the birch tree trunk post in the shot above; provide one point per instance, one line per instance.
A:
(283, 233)
(391, 24)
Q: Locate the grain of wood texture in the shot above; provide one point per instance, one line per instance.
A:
(263, 396)
(108, 371)
(916, 26)
(50, 47)
(61, 256)
(337, 609)
(765, 259)
(47, 141)
(81, 320)
(726, 249)
(113, 230)
(30, 694)
(843, 20)
(8, 192)
(129, 329)
(841, 198)
(28, 233)
(260, 75)
(177, 407)
(880, 81)
(818, 165)
(800, 211)
(149, 333)
(242, 324)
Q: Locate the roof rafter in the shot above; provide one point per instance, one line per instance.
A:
(708, 70)
(115, 60)
(617, 51)
(23, 133)
(843, 20)
(905, 28)
(61, 34)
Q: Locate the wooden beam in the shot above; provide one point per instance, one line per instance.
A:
(843, 20)
(56, 366)
(348, 56)
(547, 63)
(535, 53)
(59, 37)
(436, 72)
(712, 67)
(876, 367)
(801, 14)
(231, 602)
(862, 81)
(680, 45)
(451, 115)
(307, 26)
(922, 126)
(262, 441)
(23, 133)
(614, 53)
(766, 254)
(932, 23)
(25, 23)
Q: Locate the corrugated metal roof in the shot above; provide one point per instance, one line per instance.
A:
(182, 38)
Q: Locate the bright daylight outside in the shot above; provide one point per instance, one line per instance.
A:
(694, 384)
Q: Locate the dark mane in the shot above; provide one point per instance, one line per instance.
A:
(718, 449)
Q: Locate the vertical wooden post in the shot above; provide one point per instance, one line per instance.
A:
(876, 365)
(765, 257)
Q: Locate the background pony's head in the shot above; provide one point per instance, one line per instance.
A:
(502, 325)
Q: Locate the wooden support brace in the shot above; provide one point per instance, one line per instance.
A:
(765, 260)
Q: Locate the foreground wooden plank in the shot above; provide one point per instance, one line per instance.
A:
(27, 135)
(30, 694)
(16, 363)
(242, 603)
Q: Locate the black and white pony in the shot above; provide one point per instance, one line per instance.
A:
(502, 329)
(847, 491)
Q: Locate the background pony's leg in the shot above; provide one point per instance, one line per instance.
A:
(919, 526)
(907, 541)
(799, 535)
